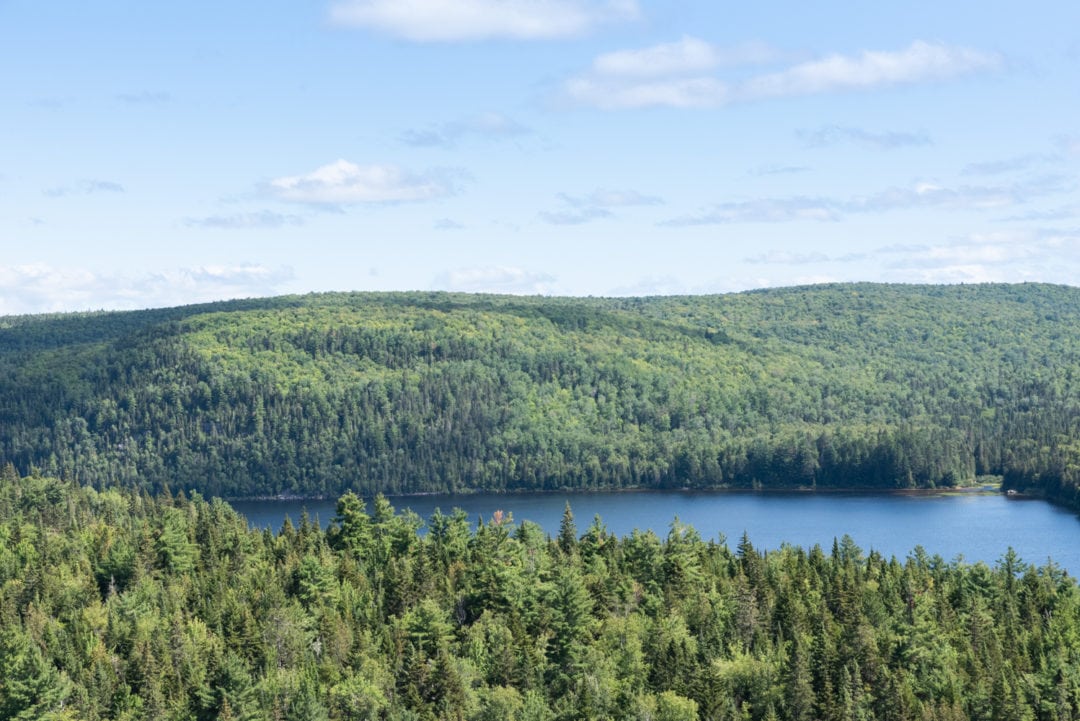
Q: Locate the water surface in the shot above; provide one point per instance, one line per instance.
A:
(976, 527)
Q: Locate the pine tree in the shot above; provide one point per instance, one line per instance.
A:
(568, 538)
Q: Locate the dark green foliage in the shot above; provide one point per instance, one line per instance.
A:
(872, 386)
(497, 622)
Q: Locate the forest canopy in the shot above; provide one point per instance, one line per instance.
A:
(119, 605)
(848, 385)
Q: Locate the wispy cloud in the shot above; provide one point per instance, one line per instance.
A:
(602, 198)
(495, 279)
(261, 220)
(919, 62)
(40, 287)
(443, 20)
(920, 195)
(595, 205)
(764, 210)
(779, 257)
(448, 224)
(619, 94)
(84, 187)
(885, 140)
(779, 169)
(682, 74)
(923, 195)
(1009, 165)
(493, 126)
(574, 217)
(345, 183)
(144, 97)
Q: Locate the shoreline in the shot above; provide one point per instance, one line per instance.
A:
(984, 489)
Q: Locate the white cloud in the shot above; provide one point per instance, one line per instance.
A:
(248, 275)
(681, 74)
(345, 183)
(450, 20)
(919, 62)
(686, 56)
(41, 288)
(495, 279)
(608, 94)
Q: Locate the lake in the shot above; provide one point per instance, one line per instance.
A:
(974, 526)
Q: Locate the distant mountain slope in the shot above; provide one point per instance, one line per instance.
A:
(833, 386)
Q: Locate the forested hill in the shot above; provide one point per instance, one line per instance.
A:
(831, 386)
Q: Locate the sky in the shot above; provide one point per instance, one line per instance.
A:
(162, 153)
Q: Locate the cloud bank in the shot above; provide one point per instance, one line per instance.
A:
(495, 279)
(1044, 255)
(42, 288)
(919, 195)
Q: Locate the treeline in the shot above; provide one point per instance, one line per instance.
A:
(119, 605)
(871, 386)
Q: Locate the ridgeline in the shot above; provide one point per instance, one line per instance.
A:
(832, 386)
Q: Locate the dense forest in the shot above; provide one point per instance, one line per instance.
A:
(118, 605)
(868, 386)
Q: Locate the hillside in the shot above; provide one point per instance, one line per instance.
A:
(870, 386)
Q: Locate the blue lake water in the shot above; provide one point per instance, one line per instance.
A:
(976, 527)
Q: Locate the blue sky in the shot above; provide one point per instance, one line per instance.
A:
(161, 153)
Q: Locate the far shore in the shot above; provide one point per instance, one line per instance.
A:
(988, 488)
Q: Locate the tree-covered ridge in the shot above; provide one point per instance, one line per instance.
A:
(872, 386)
(118, 605)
